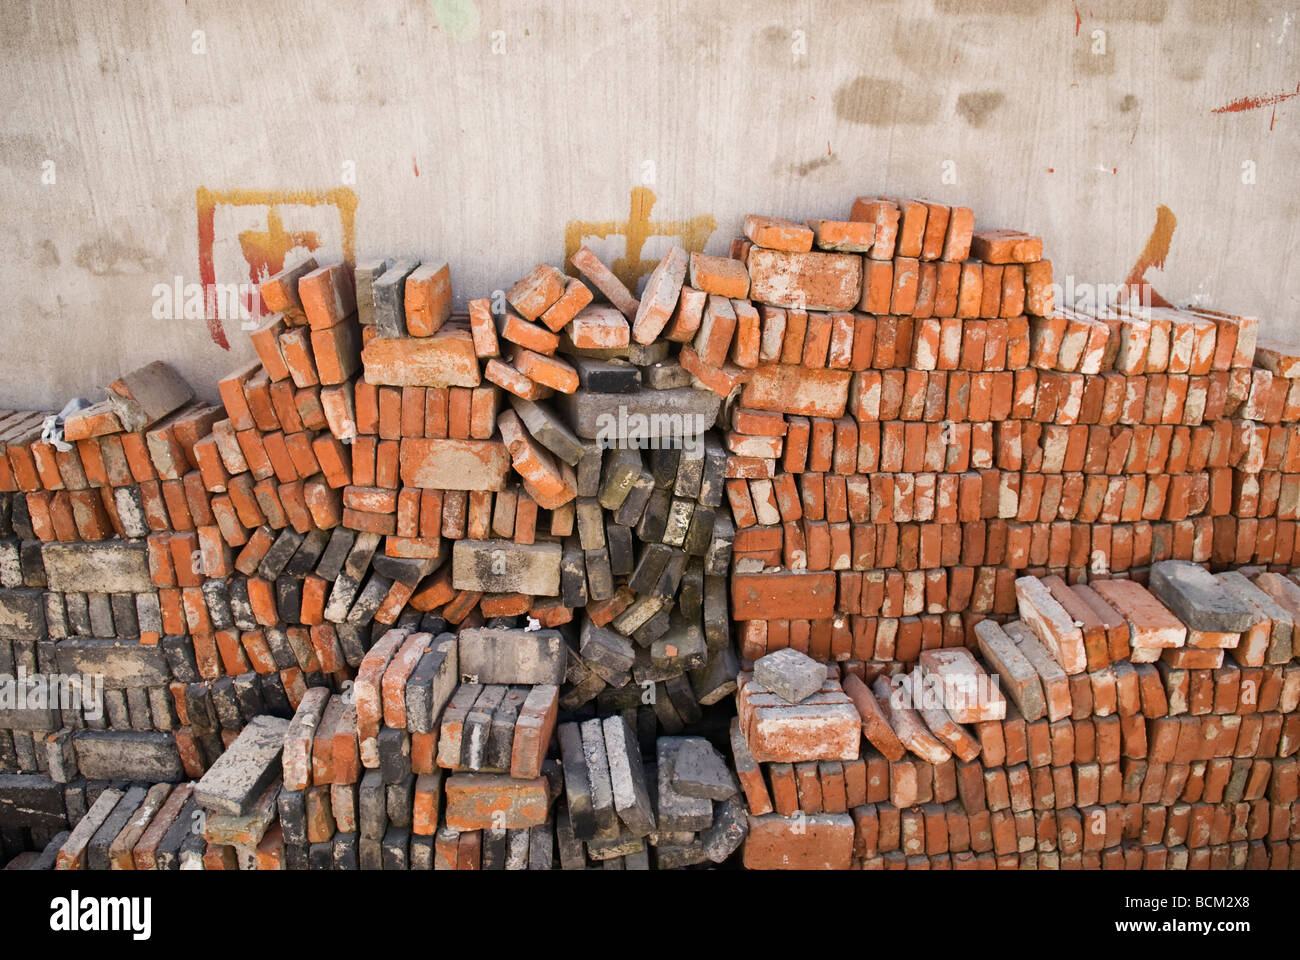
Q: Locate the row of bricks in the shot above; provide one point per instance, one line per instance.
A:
(1095, 774)
(529, 848)
(317, 643)
(132, 616)
(1111, 836)
(212, 711)
(411, 512)
(292, 454)
(995, 496)
(1102, 547)
(948, 499)
(1256, 679)
(1244, 684)
(439, 412)
(885, 227)
(139, 709)
(1005, 339)
(1255, 855)
(312, 652)
(1100, 772)
(895, 639)
(1225, 784)
(816, 546)
(814, 788)
(845, 447)
(1067, 398)
(901, 287)
(164, 451)
(737, 332)
(1132, 342)
(775, 595)
(159, 834)
(332, 814)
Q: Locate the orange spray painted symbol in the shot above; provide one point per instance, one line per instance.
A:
(263, 250)
(637, 228)
(1154, 254)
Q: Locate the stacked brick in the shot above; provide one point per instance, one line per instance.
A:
(1110, 750)
(443, 591)
(896, 469)
(682, 807)
(913, 465)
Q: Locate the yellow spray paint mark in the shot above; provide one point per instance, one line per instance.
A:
(637, 228)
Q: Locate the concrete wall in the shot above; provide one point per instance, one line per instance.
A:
(134, 150)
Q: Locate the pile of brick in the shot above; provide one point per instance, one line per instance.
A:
(443, 591)
(894, 477)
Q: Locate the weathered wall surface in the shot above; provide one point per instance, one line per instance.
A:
(144, 140)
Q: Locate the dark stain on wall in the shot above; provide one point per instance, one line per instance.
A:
(976, 106)
(819, 162)
(1184, 57)
(1018, 8)
(110, 256)
(882, 102)
(1089, 64)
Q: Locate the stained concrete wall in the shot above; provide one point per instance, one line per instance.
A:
(144, 140)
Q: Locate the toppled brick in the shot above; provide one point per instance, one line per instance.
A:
(1053, 625)
(501, 566)
(1194, 596)
(144, 396)
(790, 674)
(676, 812)
(504, 656)
(242, 773)
(969, 694)
(628, 417)
(109, 567)
(1151, 624)
(481, 801)
(1016, 672)
(446, 359)
(604, 280)
(805, 281)
(447, 464)
(698, 770)
(875, 719)
(660, 296)
(127, 754)
(627, 777)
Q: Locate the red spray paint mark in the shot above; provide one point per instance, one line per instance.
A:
(1078, 20)
(828, 148)
(1243, 104)
(208, 271)
(415, 166)
(1051, 169)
